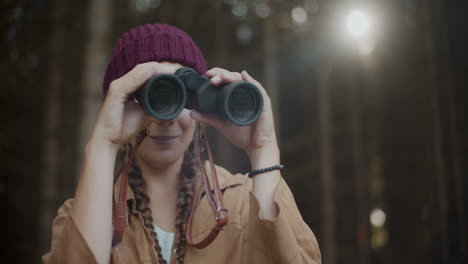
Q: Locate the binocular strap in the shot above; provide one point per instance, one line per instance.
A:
(215, 198)
(118, 213)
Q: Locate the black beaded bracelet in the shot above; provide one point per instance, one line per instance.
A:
(260, 171)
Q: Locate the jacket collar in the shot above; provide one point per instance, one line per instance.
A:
(225, 180)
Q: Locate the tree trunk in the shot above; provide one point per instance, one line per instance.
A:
(327, 173)
(96, 58)
(360, 172)
(437, 136)
(50, 149)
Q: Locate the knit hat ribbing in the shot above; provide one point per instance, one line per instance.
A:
(152, 42)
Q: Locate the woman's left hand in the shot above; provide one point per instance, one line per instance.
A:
(257, 136)
(258, 140)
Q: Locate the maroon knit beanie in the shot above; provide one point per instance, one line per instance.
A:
(152, 42)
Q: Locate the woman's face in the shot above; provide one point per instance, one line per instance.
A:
(167, 140)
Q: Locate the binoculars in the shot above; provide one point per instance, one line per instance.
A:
(165, 95)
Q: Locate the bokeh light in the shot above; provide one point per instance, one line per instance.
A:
(377, 217)
(299, 14)
(358, 23)
(239, 9)
(244, 33)
(262, 10)
(143, 5)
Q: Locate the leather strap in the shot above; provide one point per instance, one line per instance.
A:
(118, 214)
(215, 199)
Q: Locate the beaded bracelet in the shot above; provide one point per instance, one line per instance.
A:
(260, 171)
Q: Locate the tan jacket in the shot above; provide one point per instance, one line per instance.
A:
(246, 239)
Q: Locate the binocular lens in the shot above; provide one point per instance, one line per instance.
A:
(244, 104)
(164, 97)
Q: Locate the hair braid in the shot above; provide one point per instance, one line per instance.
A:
(184, 201)
(137, 183)
(184, 204)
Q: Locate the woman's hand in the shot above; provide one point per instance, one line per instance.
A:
(257, 136)
(121, 119)
(118, 120)
(258, 140)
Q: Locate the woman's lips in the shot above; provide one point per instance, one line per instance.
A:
(164, 139)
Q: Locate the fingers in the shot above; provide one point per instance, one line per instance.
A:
(135, 114)
(219, 76)
(246, 77)
(134, 79)
(215, 71)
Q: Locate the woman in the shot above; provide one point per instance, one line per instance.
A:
(264, 225)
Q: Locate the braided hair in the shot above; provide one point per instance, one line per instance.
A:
(184, 201)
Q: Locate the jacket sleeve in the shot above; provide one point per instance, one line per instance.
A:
(286, 239)
(68, 245)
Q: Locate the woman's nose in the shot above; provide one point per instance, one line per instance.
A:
(165, 122)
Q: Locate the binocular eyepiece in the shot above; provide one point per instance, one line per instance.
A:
(165, 95)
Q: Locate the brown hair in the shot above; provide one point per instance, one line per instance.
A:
(184, 201)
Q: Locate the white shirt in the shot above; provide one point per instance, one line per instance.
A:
(166, 239)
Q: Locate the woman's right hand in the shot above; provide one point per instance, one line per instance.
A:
(120, 119)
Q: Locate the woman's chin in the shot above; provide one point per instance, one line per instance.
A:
(162, 159)
(165, 161)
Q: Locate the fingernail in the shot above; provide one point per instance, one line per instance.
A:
(194, 114)
(216, 78)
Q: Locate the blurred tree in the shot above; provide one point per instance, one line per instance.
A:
(96, 56)
(60, 150)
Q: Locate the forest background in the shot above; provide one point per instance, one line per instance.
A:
(368, 98)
